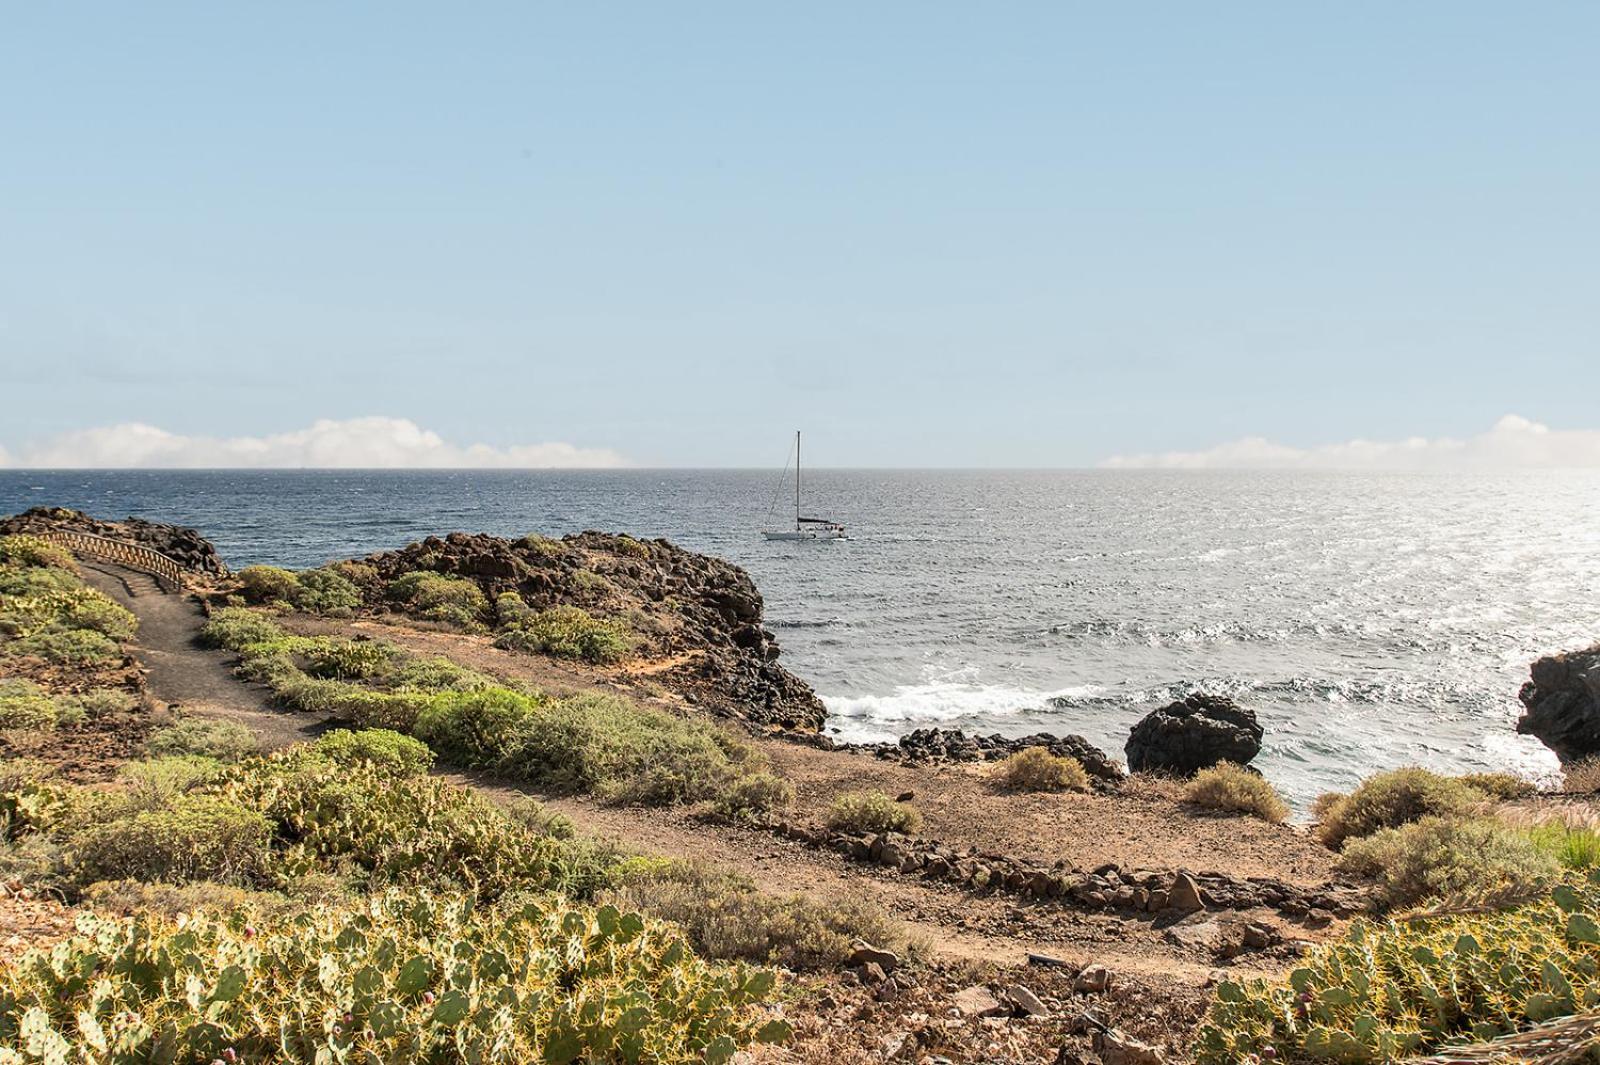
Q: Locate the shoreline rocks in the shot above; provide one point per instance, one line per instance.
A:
(1193, 734)
(679, 604)
(931, 746)
(1562, 702)
(183, 545)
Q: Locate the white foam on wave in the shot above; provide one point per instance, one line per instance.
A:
(947, 702)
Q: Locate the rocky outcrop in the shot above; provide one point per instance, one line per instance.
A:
(698, 618)
(1188, 736)
(931, 746)
(184, 546)
(1563, 704)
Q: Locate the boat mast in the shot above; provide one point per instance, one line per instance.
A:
(797, 480)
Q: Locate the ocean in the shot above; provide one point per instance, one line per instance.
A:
(1371, 620)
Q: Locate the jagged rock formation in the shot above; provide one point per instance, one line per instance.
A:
(698, 618)
(184, 546)
(934, 745)
(1188, 736)
(1563, 704)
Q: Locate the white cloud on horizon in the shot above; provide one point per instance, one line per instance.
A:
(352, 443)
(1513, 443)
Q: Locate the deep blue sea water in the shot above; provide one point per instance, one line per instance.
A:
(1371, 620)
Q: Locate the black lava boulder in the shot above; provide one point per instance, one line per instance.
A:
(1190, 735)
(1563, 704)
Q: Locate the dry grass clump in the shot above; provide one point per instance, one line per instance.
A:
(861, 812)
(753, 796)
(1460, 860)
(1582, 776)
(1036, 769)
(1226, 786)
(1504, 786)
(1392, 799)
(725, 917)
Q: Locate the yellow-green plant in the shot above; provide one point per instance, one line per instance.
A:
(570, 632)
(1230, 787)
(437, 597)
(268, 584)
(1386, 991)
(1392, 799)
(402, 977)
(861, 812)
(1036, 769)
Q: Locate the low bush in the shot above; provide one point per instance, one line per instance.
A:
(208, 737)
(753, 795)
(100, 703)
(570, 632)
(726, 917)
(437, 597)
(327, 592)
(154, 784)
(34, 551)
(1457, 860)
(268, 584)
(861, 812)
(197, 837)
(1501, 785)
(475, 728)
(1392, 799)
(65, 647)
(622, 752)
(1385, 992)
(541, 819)
(1230, 787)
(418, 977)
(380, 747)
(25, 705)
(1036, 769)
(236, 627)
(510, 609)
(542, 545)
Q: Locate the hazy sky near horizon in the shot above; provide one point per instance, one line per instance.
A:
(929, 233)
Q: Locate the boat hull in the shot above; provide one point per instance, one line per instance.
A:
(772, 534)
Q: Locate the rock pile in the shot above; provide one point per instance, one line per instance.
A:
(679, 604)
(930, 746)
(1105, 888)
(184, 546)
(1563, 704)
(1193, 734)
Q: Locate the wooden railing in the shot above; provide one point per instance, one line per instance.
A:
(123, 553)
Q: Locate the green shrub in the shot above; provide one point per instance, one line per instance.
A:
(621, 752)
(359, 574)
(102, 702)
(327, 592)
(421, 977)
(1036, 769)
(25, 705)
(268, 584)
(349, 659)
(862, 812)
(434, 674)
(510, 609)
(1226, 786)
(379, 746)
(570, 632)
(541, 819)
(474, 728)
(753, 795)
(66, 647)
(154, 784)
(627, 545)
(437, 597)
(1500, 785)
(1388, 991)
(34, 551)
(726, 917)
(1392, 799)
(542, 545)
(236, 627)
(209, 737)
(1455, 859)
(198, 837)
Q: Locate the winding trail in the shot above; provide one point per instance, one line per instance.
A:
(951, 922)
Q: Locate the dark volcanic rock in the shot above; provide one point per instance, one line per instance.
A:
(1191, 735)
(184, 546)
(932, 745)
(700, 612)
(1563, 704)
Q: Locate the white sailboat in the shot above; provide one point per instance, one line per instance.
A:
(804, 528)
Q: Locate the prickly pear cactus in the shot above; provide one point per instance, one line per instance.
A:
(404, 977)
(1386, 991)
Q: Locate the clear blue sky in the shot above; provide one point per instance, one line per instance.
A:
(930, 233)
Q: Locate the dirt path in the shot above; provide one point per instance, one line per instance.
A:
(954, 923)
(182, 673)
